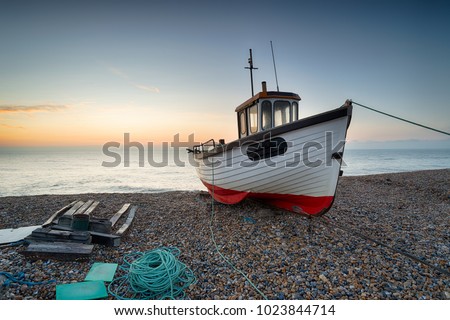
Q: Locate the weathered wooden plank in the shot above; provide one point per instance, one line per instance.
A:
(59, 227)
(100, 225)
(106, 239)
(119, 214)
(57, 214)
(58, 250)
(74, 208)
(91, 208)
(58, 234)
(54, 235)
(81, 236)
(128, 222)
(66, 218)
(84, 207)
(40, 231)
(61, 247)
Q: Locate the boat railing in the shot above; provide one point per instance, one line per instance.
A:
(208, 146)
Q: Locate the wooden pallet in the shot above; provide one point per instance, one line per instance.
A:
(81, 209)
(61, 233)
(58, 251)
(50, 234)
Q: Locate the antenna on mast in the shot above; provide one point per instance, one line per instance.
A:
(274, 67)
(250, 62)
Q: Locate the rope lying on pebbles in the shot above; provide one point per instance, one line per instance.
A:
(330, 223)
(213, 238)
(155, 274)
(404, 210)
(20, 279)
(13, 244)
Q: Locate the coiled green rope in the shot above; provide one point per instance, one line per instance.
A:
(152, 275)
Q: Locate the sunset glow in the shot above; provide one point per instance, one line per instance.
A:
(77, 76)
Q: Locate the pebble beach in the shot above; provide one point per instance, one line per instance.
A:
(285, 255)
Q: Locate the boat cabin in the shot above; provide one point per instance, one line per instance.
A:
(266, 110)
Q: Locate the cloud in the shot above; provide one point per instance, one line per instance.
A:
(139, 86)
(11, 127)
(30, 109)
(147, 88)
(117, 72)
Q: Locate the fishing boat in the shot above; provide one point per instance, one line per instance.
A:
(286, 161)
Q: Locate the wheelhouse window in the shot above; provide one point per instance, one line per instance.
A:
(294, 111)
(253, 117)
(282, 112)
(266, 111)
(242, 124)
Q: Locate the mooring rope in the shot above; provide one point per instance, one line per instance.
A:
(327, 222)
(213, 238)
(401, 119)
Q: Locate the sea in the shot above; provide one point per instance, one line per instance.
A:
(74, 170)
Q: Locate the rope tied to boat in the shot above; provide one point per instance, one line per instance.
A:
(401, 119)
(213, 238)
(331, 223)
(152, 275)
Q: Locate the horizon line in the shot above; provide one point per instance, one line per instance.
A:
(350, 144)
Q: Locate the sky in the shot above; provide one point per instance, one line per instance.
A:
(80, 73)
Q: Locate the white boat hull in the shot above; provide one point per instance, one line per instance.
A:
(302, 179)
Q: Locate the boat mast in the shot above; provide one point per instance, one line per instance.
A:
(250, 62)
(274, 66)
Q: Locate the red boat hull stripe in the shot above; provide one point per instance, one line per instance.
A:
(297, 203)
